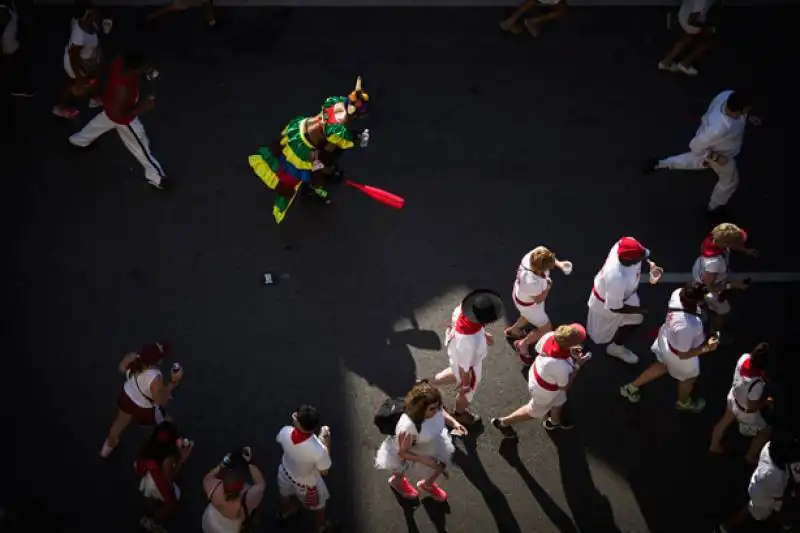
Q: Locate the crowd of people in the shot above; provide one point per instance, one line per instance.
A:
(418, 447)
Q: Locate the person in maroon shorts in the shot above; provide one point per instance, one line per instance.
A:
(144, 394)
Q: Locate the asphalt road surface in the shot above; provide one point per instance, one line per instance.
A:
(497, 143)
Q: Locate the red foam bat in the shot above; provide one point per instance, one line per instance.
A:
(384, 197)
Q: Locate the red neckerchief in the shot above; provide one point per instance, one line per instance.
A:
(552, 349)
(709, 249)
(300, 436)
(748, 371)
(465, 326)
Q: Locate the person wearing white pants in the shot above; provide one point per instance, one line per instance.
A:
(121, 112)
(715, 145)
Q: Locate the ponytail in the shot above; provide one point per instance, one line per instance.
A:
(136, 367)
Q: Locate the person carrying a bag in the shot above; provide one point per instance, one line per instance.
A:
(231, 501)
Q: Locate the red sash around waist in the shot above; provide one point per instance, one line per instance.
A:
(546, 385)
(597, 295)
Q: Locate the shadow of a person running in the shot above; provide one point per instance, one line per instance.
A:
(509, 450)
(471, 466)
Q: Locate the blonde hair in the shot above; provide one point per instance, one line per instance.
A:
(564, 334)
(726, 234)
(542, 259)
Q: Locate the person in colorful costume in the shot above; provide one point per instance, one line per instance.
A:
(309, 148)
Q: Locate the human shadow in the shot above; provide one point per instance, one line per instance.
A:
(408, 506)
(590, 509)
(470, 464)
(509, 450)
(437, 512)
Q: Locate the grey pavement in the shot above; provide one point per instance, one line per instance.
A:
(497, 144)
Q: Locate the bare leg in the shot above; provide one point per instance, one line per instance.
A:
(701, 48)
(462, 404)
(534, 336)
(163, 10)
(520, 415)
(719, 431)
(120, 423)
(515, 330)
(445, 377)
(679, 47)
(757, 444)
(513, 19)
(652, 372)
(685, 390)
(533, 24)
(319, 519)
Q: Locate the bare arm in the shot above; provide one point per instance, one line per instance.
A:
(210, 481)
(404, 443)
(161, 393)
(709, 346)
(126, 361)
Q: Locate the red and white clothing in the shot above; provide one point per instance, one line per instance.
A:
(88, 42)
(528, 286)
(431, 439)
(682, 331)
(304, 457)
(466, 348)
(154, 484)
(716, 260)
(128, 126)
(748, 384)
(767, 486)
(135, 398)
(718, 133)
(615, 286)
(549, 374)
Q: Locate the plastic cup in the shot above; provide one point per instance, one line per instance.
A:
(566, 267)
(107, 25)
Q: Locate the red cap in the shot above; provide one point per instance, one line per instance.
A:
(579, 330)
(155, 352)
(744, 236)
(630, 249)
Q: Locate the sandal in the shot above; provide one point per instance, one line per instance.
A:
(514, 333)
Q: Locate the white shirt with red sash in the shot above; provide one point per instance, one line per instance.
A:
(549, 374)
(748, 384)
(304, 457)
(466, 348)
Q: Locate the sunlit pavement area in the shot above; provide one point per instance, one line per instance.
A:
(498, 144)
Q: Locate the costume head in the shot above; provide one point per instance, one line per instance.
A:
(482, 306)
(357, 101)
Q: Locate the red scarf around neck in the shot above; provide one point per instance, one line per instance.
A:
(552, 349)
(710, 249)
(748, 371)
(299, 436)
(465, 326)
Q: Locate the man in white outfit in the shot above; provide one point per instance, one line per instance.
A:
(715, 145)
(614, 309)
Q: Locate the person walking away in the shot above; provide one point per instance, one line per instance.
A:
(467, 344)
(746, 398)
(144, 394)
(231, 501)
(713, 265)
(767, 486)
(555, 9)
(306, 460)
(81, 61)
(421, 446)
(531, 288)
(680, 341)
(13, 55)
(550, 377)
(122, 109)
(614, 308)
(715, 145)
(157, 466)
(695, 38)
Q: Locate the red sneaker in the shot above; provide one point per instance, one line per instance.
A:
(404, 488)
(434, 490)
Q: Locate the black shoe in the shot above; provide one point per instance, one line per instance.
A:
(650, 166)
(163, 185)
(507, 431)
(549, 425)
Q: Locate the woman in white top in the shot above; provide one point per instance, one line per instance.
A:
(531, 288)
(231, 501)
(695, 37)
(421, 446)
(81, 61)
(144, 393)
(713, 265)
(746, 398)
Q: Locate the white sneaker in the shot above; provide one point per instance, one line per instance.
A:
(106, 450)
(689, 71)
(95, 102)
(622, 353)
(669, 68)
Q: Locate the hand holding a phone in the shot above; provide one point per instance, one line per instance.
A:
(712, 344)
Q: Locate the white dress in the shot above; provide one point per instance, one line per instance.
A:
(432, 440)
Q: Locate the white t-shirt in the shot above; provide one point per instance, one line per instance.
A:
(718, 131)
(9, 41)
(717, 264)
(87, 41)
(745, 388)
(465, 351)
(688, 7)
(768, 482)
(303, 461)
(430, 429)
(616, 283)
(138, 387)
(681, 332)
(551, 369)
(528, 284)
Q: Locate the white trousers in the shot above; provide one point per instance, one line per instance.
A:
(133, 137)
(727, 174)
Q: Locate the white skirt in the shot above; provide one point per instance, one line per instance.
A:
(441, 448)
